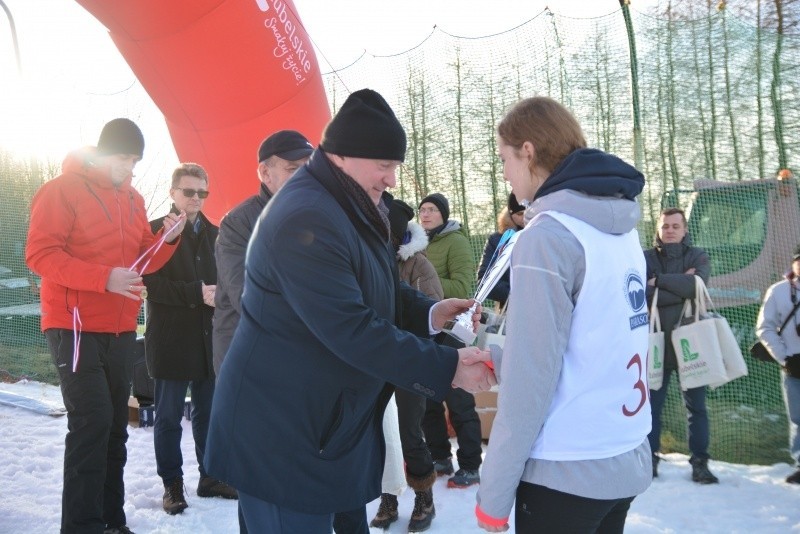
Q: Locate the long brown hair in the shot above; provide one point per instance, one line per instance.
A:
(549, 126)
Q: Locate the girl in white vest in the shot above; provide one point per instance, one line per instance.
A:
(569, 443)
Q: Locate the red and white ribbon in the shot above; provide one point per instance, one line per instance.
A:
(154, 248)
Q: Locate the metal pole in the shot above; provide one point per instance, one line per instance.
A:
(638, 143)
(13, 34)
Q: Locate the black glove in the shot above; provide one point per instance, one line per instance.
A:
(792, 365)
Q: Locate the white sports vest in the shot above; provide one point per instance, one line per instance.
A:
(601, 406)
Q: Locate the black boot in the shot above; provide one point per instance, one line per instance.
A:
(387, 512)
(656, 459)
(794, 478)
(423, 513)
(700, 472)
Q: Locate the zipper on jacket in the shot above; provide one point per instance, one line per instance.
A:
(99, 201)
(122, 254)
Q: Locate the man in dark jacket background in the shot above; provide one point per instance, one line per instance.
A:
(296, 424)
(671, 267)
(279, 156)
(180, 300)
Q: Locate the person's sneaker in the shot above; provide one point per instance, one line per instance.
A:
(387, 512)
(656, 459)
(443, 467)
(118, 530)
(700, 472)
(794, 478)
(211, 487)
(424, 511)
(174, 502)
(464, 478)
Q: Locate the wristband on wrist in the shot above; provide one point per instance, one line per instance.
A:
(489, 520)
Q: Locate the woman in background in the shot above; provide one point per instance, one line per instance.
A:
(511, 217)
(569, 443)
(406, 412)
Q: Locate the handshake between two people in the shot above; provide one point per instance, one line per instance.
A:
(474, 372)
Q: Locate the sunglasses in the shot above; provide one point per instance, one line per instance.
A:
(189, 193)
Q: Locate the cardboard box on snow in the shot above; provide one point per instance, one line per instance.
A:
(486, 399)
(486, 415)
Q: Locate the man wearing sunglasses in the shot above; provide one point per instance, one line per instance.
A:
(180, 305)
(279, 156)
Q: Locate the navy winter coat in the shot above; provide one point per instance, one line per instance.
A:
(298, 409)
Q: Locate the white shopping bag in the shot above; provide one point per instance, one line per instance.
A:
(732, 358)
(696, 344)
(655, 348)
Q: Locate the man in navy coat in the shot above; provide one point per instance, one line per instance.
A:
(327, 332)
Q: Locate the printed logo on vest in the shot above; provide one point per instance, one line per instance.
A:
(635, 296)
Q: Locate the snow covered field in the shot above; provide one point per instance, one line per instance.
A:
(749, 499)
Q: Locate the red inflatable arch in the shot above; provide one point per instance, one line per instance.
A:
(225, 74)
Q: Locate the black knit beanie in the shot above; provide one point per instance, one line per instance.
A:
(365, 127)
(120, 136)
(513, 205)
(441, 203)
(399, 215)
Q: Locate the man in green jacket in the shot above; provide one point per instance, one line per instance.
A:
(451, 255)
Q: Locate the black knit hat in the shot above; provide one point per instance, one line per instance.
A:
(441, 203)
(286, 144)
(120, 136)
(513, 205)
(399, 215)
(365, 127)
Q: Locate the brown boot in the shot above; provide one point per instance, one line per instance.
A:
(424, 511)
(173, 501)
(387, 512)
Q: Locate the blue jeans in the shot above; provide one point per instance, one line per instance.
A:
(695, 401)
(791, 396)
(263, 516)
(170, 396)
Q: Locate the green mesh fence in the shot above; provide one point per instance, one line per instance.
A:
(693, 95)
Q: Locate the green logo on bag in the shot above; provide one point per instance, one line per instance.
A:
(656, 360)
(688, 355)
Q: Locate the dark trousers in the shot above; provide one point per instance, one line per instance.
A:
(96, 398)
(695, 401)
(263, 516)
(170, 398)
(352, 522)
(466, 423)
(541, 509)
(410, 412)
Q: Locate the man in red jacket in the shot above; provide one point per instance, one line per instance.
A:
(90, 241)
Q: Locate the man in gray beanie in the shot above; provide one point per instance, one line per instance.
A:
(326, 333)
(87, 240)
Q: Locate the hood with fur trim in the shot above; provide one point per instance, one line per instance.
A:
(417, 243)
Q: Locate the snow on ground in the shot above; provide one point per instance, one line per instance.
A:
(749, 499)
